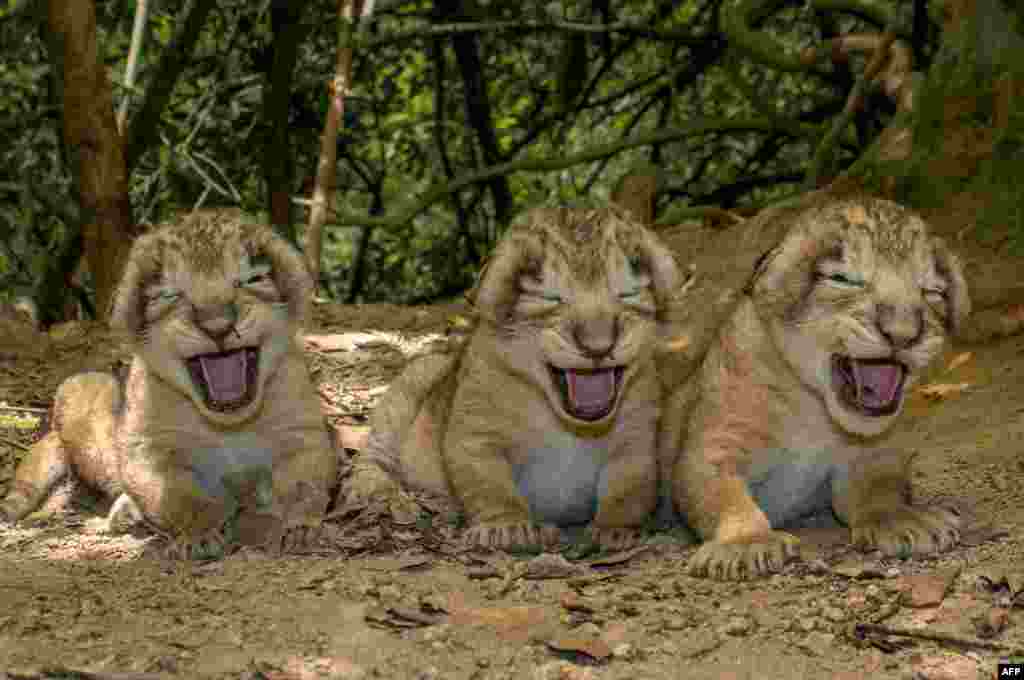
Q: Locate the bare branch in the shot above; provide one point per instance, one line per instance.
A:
(138, 33)
(143, 126)
(349, 12)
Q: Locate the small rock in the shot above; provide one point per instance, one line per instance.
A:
(833, 614)
(805, 624)
(738, 626)
(697, 643)
(624, 651)
(677, 623)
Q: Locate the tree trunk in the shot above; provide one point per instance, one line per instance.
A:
(93, 143)
(278, 164)
(478, 105)
(956, 155)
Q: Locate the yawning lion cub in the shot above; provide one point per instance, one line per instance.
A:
(837, 325)
(547, 416)
(218, 419)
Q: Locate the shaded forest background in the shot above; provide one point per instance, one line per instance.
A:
(461, 113)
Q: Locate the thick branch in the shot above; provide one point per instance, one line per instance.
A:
(463, 28)
(143, 127)
(437, 192)
(738, 20)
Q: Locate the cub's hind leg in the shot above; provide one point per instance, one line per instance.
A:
(40, 470)
(81, 439)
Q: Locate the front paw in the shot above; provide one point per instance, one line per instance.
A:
(743, 559)
(368, 484)
(907, 530)
(512, 536)
(614, 538)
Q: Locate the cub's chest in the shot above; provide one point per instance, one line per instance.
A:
(562, 476)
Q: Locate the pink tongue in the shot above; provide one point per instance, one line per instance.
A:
(877, 383)
(225, 375)
(592, 392)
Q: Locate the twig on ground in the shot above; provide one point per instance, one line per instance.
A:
(25, 409)
(11, 442)
(863, 629)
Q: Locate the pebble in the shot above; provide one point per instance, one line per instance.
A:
(738, 626)
(834, 614)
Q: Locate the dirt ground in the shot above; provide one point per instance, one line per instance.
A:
(401, 599)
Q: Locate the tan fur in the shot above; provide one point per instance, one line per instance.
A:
(768, 439)
(488, 424)
(210, 284)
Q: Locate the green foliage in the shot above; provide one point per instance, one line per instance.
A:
(406, 131)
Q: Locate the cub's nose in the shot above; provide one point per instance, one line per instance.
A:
(596, 338)
(901, 325)
(216, 320)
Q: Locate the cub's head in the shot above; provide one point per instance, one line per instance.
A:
(212, 305)
(859, 299)
(573, 296)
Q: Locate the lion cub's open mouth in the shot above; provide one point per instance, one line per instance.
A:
(872, 386)
(588, 394)
(227, 380)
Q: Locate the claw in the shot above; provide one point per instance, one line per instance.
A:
(741, 561)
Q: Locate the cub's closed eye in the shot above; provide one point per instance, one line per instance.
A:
(842, 279)
(163, 296)
(630, 294)
(939, 293)
(254, 278)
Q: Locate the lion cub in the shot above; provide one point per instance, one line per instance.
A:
(836, 325)
(218, 416)
(547, 416)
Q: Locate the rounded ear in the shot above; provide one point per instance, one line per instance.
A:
(660, 263)
(781, 268)
(948, 266)
(289, 270)
(127, 311)
(497, 286)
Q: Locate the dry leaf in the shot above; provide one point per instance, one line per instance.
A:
(958, 361)
(595, 648)
(927, 590)
(678, 344)
(992, 622)
(942, 390)
(459, 322)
